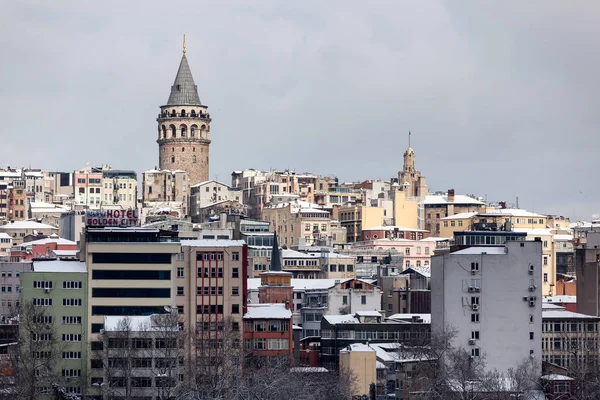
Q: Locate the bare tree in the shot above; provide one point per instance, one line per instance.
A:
(36, 358)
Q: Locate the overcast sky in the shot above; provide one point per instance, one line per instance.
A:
(502, 97)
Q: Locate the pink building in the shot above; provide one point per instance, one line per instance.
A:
(417, 253)
(87, 183)
(393, 232)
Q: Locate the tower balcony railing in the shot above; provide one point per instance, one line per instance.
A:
(185, 115)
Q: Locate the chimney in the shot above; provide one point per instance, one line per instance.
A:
(287, 304)
(450, 195)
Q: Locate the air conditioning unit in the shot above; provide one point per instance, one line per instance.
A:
(531, 303)
(471, 289)
(475, 307)
(532, 298)
(473, 272)
(525, 298)
(530, 272)
(477, 290)
(47, 290)
(472, 342)
(532, 288)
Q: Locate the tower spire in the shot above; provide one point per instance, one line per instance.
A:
(184, 44)
(408, 133)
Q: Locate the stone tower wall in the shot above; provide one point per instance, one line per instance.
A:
(187, 148)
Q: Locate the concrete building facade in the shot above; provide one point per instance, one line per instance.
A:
(501, 322)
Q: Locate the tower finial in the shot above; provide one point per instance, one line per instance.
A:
(408, 133)
(184, 44)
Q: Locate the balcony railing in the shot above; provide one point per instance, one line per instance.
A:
(186, 115)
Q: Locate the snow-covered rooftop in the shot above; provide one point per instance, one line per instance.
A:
(550, 306)
(4, 235)
(481, 250)
(393, 227)
(288, 253)
(145, 323)
(561, 237)
(59, 266)
(64, 253)
(408, 317)
(560, 314)
(560, 299)
(268, 311)
(368, 313)
(341, 319)
(443, 199)
(57, 240)
(26, 225)
(302, 284)
(513, 212)
(212, 243)
(466, 215)
(534, 231)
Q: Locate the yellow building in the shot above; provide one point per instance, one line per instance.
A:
(357, 217)
(361, 361)
(407, 212)
(515, 220)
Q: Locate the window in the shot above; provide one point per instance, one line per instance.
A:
(474, 300)
(235, 256)
(531, 335)
(531, 319)
(475, 335)
(333, 268)
(235, 290)
(42, 285)
(363, 299)
(545, 260)
(474, 266)
(71, 337)
(278, 344)
(235, 308)
(390, 307)
(180, 273)
(235, 273)
(407, 251)
(67, 320)
(179, 290)
(180, 309)
(545, 277)
(344, 300)
(475, 352)
(71, 355)
(42, 302)
(72, 302)
(474, 317)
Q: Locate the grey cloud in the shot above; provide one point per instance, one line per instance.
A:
(501, 97)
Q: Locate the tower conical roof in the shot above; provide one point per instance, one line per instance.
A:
(184, 91)
(275, 255)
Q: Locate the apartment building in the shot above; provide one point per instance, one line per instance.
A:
(54, 302)
(21, 230)
(211, 192)
(268, 330)
(211, 294)
(10, 288)
(441, 205)
(5, 244)
(119, 189)
(569, 339)
(130, 273)
(87, 187)
(405, 292)
(587, 265)
(164, 186)
(298, 223)
(501, 322)
(13, 200)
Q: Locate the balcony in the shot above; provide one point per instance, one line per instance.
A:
(202, 116)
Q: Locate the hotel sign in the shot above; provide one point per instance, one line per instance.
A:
(101, 218)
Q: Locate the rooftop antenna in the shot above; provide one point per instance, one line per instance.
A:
(184, 44)
(409, 138)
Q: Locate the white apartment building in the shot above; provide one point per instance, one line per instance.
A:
(212, 192)
(492, 297)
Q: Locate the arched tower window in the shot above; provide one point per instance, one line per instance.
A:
(182, 149)
(193, 130)
(173, 159)
(173, 131)
(193, 113)
(183, 113)
(183, 130)
(193, 159)
(173, 113)
(164, 132)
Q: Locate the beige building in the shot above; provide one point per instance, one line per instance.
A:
(298, 223)
(211, 286)
(165, 188)
(5, 244)
(208, 196)
(361, 361)
(19, 230)
(130, 273)
(438, 206)
(119, 189)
